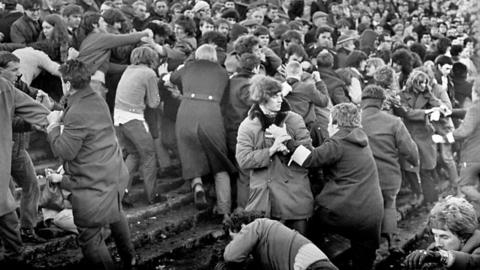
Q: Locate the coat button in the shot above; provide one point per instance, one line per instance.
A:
(192, 95)
(210, 97)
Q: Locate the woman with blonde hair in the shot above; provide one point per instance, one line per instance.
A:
(200, 131)
(136, 91)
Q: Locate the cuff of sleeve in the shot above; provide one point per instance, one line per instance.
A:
(52, 126)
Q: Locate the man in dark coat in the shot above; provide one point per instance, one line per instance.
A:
(27, 28)
(389, 139)
(336, 87)
(84, 137)
(353, 185)
(13, 102)
(235, 112)
(10, 15)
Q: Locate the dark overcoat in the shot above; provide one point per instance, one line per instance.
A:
(92, 158)
(199, 129)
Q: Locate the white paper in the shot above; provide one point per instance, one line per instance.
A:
(300, 155)
(437, 138)
(435, 116)
(450, 138)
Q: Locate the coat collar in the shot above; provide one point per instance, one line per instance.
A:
(78, 95)
(256, 112)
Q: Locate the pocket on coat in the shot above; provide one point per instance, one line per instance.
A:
(259, 200)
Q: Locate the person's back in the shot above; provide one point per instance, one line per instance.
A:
(273, 244)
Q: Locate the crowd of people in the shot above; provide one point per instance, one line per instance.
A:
(314, 113)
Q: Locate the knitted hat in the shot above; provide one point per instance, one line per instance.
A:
(200, 5)
(319, 14)
(373, 91)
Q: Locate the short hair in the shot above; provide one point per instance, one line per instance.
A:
(245, 44)
(443, 60)
(214, 37)
(29, 4)
(295, 49)
(207, 20)
(231, 13)
(187, 24)
(72, 9)
(385, 55)
(456, 49)
(239, 218)
(323, 29)
(6, 58)
(113, 15)
(144, 55)
(260, 31)
(293, 68)
(75, 72)
(443, 44)
(454, 214)
(263, 87)
(384, 76)
(325, 59)
(355, 57)
(248, 61)
(459, 70)
(292, 34)
(206, 52)
(346, 115)
(139, 3)
(375, 61)
(419, 49)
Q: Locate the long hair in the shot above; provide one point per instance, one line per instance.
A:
(416, 76)
(60, 31)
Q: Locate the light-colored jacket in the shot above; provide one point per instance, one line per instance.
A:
(280, 190)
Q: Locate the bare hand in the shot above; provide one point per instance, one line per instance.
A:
(55, 117)
(163, 68)
(45, 100)
(316, 76)
(275, 131)
(54, 177)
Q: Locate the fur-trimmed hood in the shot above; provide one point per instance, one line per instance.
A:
(256, 112)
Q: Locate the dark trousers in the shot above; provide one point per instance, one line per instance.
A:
(10, 237)
(430, 194)
(24, 175)
(138, 143)
(94, 249)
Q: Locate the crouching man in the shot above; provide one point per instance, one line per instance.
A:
(272, 244)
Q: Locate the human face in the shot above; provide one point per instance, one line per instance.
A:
(33, 13)
(257, 50)
(11, 72)
(258, 16)
(325, 40)
(362, 65)
(224, 29)
(370, 70)
(206, 27)
(161, 8)
(426, 39)
(74, 20)
(231, 20)
(274, 103)
(103, 8)
(229, 4)
(204, 13)
(446, 240)
(445, 69)
(47, 30)
(442, 29)
(117, 3)
(295, 57)
(102, 25)
(264, 40)
(420, 85)
(141, 12)
(179, 31)
(188, 13)
(320, 21)
(273, 14)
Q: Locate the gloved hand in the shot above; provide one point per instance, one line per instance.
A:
(416, 259)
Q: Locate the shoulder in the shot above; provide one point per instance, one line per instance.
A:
(293, 118)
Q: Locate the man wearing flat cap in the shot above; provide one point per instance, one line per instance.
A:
(319, 18)
(345, 45)
(389, 140)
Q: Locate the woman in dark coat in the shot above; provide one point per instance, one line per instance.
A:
(351, 201)
(200, 132)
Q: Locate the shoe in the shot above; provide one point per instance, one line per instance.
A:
(29, 236)
(199, 197)
(158, 198)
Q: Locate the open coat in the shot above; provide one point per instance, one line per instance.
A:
(280, 190)
(92, 158)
